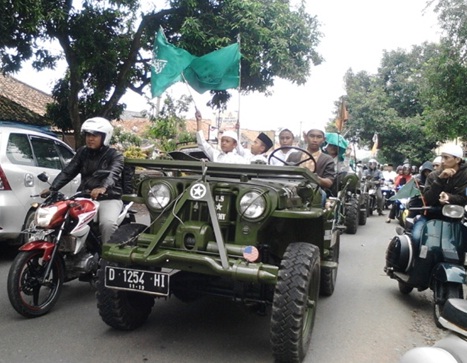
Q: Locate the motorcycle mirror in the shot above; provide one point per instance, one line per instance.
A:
(453, 211)
(43, 177)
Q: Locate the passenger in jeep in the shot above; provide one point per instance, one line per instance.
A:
(229, 142)
(260, 147)
(325, 166)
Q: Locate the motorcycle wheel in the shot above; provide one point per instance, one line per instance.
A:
(295, 300)
(28, 222)
(441, 293)
(28, 294)
(123, 310)
(351, 216)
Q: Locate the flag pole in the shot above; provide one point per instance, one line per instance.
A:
(239, 87)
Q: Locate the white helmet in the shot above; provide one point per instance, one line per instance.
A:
(98, 125)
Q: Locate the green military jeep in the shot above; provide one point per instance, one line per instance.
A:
(254, 233)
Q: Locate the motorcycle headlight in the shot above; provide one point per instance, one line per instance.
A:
(43, 216)
(159, 196)
(252, 205)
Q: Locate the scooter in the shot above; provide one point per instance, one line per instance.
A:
(437, 261)
(453, 347)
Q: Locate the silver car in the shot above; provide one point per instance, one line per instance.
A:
(25, 152)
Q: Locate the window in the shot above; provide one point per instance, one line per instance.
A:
(19, 150)
(46, 154)
(65, 152)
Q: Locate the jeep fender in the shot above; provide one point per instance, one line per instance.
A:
(447, 272)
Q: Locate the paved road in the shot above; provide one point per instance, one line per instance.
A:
(366, 320)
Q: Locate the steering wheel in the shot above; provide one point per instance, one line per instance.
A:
(292, 162)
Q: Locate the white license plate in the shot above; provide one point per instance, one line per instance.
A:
(149, 282)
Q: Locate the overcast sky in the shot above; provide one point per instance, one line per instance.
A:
(355, 33)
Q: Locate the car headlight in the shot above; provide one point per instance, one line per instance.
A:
(159, 196)
(252, 205)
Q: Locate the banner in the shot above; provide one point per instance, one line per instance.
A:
(342, 116)
(167, 65)
(218, 70)
(374, 150)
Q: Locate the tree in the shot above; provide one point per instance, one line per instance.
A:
(445, 90)
(169, 127)
(108, 47)
(389, 103)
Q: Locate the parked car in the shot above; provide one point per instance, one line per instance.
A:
(25, 152)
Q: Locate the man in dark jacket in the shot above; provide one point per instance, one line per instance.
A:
(97, 155)
(445, 185)
(449, 184)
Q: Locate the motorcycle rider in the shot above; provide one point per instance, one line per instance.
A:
(374, 174)
(425, 170)
(447, 185)
(96, 154)
(437, 162)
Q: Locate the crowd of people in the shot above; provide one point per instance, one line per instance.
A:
(441, 181)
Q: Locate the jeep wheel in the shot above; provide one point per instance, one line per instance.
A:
(123, 310)
(362, 211)
(351, 216)
(329, 275)
(295, 301)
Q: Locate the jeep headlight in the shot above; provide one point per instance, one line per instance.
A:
(159, 196)
(252, 205)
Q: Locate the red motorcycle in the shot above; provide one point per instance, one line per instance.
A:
(63, 245)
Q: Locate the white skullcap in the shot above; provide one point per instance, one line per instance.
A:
(437, 160)
(231, 134)
(317, 128)
(454, 150)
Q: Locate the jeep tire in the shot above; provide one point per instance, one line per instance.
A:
(123, 310)
(295, 301)
(351, 216)
(362, 213)
(329, 275)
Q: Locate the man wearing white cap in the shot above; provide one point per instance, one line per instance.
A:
(449, 183)
(437, 163)
(325, 167)
(229, 141)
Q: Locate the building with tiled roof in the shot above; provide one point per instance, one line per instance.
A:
(23, 103)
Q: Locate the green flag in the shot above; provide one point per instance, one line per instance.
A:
(218, 70)
(409, 190)
(167, 65)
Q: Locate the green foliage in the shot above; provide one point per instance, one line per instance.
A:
(390, 104)
(169, 126)
(125, 139)
(107, 45)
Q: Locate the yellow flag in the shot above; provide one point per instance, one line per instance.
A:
(342, 116)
